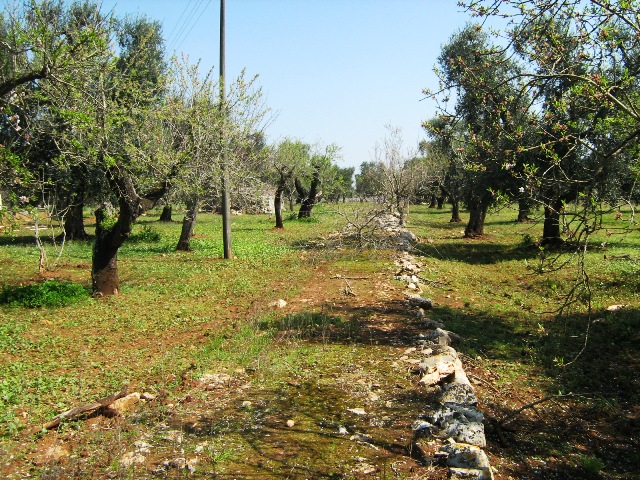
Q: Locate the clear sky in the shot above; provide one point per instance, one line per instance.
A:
(333, 71)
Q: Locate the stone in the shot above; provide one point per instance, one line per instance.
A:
(280, 303)
(178, 463)
(132, 458)
(357, 411)
(191, 464)
(438, 373)
(470, 473)
(212, 381)
(462, 455)
(201, 447)
(458, 393)
(432, 324)
(173, 436)
(362, 437)
(290, 423)
(364, 469)
(418, 301)
(53, 454)
(461, 423)
(422, 429)
(439, 336)
(120, 406)
(613, 308)
(142, 446)
(403, 278)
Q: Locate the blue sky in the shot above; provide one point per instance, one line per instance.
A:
(333, 71)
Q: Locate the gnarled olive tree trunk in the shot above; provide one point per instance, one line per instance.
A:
(277, 202)
(111, 233)
(113, 229)
(165, 216)
(188, 225)
(524, 208)
(477, 216)
(455, 211)
(551, 227)
(311, 198)
(74, 223)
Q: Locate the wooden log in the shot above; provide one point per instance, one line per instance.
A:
(88, 407)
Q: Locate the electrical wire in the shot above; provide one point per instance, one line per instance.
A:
(193, 24)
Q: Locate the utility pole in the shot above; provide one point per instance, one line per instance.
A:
(226, 208)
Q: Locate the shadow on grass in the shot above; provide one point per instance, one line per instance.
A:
(29, 240)
(583, 435)
(475, 252)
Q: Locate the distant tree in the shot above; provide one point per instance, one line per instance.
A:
(488, 120)
(339, 184)
(198, 126)
(579, 63)
(399, 174)
(369, 179)
(287, 160)
(320, 163)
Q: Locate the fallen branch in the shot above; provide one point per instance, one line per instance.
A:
(77, 411)
(348, 278)
(347, 288)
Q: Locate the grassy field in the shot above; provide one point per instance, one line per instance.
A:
(291, 374)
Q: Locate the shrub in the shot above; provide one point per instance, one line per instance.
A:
(148, 234)
(50, 293)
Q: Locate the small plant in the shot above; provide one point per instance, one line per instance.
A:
(148, 234)
(591, 464)
(46, 294)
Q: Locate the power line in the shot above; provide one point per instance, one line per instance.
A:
(191, 22)
(180, 27)
(186, 35)
(178, 22)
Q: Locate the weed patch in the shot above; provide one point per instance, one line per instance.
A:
(50, 293)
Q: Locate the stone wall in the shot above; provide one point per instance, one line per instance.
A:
(454, 425)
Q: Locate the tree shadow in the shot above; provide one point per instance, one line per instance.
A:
(30, 241)
(579, 436)
(475, 252)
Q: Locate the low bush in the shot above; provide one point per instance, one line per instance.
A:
(50, 293)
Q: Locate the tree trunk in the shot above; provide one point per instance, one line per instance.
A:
(310, 200)
(104, 262)
(400, 208)
(523, 210)
(188, 226)
(300, 191)
(477, 215)
(74, 223)
(440, 201)
(433, 201)
(551, 228)
(165, 216)
(277, 205)
(110, 236)
(455, 212)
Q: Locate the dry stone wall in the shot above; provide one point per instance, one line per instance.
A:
(455, 419)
